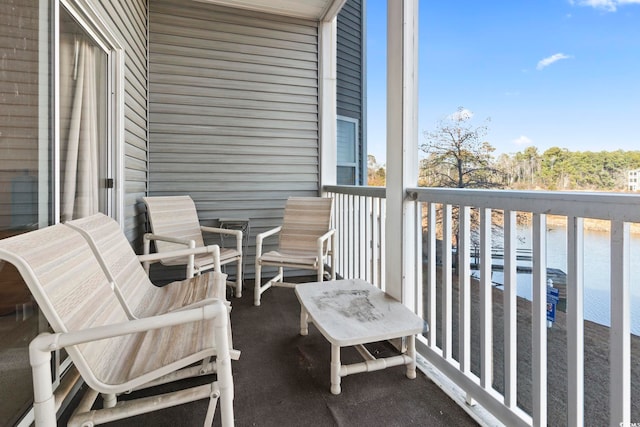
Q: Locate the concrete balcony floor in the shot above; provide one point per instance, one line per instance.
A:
(282, 379)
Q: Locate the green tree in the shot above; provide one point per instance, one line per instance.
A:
(376, 174)
(457, 155)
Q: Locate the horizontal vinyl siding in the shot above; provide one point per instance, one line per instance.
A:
(350, 73)
(233, 111)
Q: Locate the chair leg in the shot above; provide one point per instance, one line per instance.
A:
(239, 273)
(43, 401)
(256, 292)
(109, 400)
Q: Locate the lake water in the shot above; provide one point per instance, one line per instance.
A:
(597, 292)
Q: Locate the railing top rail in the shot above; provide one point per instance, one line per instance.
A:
(357, 190)
(607, 206)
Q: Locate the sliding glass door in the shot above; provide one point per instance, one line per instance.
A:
(56, 147)
(84, 154)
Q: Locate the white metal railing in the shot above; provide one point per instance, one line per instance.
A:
(358, 217)
(447, 214)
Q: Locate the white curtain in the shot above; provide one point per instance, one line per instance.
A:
(79, 151)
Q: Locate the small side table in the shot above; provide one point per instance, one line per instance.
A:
(242, 224)
(353, 313)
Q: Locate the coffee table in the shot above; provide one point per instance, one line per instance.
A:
(354, 313)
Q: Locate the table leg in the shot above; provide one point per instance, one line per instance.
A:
(304, 321)
(411, 352)
(335, 369)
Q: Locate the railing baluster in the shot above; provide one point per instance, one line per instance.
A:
(368, 254)
(418, 262)
(447, 309)
(375, 241)
(431, 272)
(486, 307)
(383, 215)
(464, 288)
(620, 351)
(575, 320)
(362, 238)
(539, 321)
(510, 311)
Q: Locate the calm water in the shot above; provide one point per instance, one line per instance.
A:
(597, 293)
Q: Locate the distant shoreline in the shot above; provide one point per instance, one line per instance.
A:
(590, 224)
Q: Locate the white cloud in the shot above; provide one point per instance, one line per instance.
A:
(550, 60)
(608, 5)
(523, 140)
(462, 114)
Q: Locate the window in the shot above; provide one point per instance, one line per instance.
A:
(347, 135)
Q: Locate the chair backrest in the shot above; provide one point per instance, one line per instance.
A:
(71, 290)
(305, 219)
(173, 216)
(120, 261)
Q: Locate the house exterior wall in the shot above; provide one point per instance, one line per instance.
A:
(351, 73)
(233, 110)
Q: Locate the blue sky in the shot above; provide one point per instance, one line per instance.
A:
(545, 72)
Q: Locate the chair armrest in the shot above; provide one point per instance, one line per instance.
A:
(321, 250)
(215, 309)
(211, 249)
(322, 239)
(148, 237)
(236, 233)
(41, 347)
(260, 237)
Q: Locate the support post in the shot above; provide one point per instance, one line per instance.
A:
(327, 60)
(402, 147)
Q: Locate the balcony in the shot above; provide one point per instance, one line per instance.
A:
(494, 347)
(490, 355)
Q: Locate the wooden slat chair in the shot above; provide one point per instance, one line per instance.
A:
(113, 353)
(174, 224)
(306, 241)
(132, 285)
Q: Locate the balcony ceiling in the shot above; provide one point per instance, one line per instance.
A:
(317, 10)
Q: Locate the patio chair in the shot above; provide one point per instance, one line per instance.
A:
(113, 353)
(175, 224)
(306, 241)
(139, 297)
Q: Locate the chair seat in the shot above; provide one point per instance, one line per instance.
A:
(181, 345)
(289, 258)
(180, 295)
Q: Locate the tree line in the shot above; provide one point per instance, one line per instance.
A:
(561, 169)
(456, 155)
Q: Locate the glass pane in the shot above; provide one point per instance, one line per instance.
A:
(346, 175)
(83, 131)
(346, 134)
(24, 185)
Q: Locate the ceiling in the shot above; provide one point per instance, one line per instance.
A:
(317, 10)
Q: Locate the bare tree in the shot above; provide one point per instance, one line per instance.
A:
(457, 155)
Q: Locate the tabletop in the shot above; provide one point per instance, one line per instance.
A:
(350, 312)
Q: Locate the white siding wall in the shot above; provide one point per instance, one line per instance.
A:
(233, 110)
